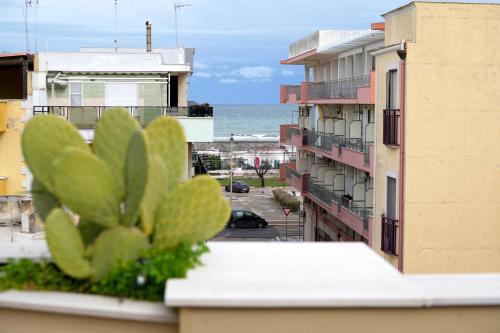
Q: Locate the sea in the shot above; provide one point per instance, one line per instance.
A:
(251, 122)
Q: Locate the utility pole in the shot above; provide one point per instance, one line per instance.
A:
(231, 141)
(177, 7)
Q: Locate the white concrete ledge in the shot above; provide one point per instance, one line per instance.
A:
(317, 275)
(30, 249)
(87, 305)
(459, 289)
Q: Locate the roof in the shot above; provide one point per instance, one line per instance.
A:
(353, 41)
(437, 3)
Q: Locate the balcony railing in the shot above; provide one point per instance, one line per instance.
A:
(389, 235)
(341, 88)
(391, 127)
(85, 117)
(292, 131)
(357, 208)
(320, 192)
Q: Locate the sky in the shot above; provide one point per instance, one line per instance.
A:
(239, 43)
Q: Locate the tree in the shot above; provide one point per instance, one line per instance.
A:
(261, 167)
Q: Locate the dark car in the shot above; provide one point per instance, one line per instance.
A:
(244, 218)
(239, 187)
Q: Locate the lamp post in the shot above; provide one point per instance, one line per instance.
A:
(231, 141)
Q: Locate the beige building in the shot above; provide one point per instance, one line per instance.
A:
(437, 147)
(434, 171)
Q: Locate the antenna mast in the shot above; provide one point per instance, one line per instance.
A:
(177, 7)
(115, 30)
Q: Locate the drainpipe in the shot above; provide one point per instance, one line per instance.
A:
(402, 92)
(53, 91)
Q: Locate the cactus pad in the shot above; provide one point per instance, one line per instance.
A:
(44, 201)
(66, 245)
(136, 177)
(87, 186)
(112, 135)
(191, 205)
(167, 141)
(155, 191)
(117, 245)
(44, 139)
(89, 231)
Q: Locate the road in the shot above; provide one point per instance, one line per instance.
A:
(263, 204)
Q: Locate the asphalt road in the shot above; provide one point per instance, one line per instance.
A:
(263, 204)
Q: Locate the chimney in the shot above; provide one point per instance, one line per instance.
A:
(148, 36)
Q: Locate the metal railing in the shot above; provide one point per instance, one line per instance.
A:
(341, 88)
(320, 192)
(289, 172)
(297, 90)
(357, 208)
(391, 127)
(86, 117)
(292, 131)
(389, 235)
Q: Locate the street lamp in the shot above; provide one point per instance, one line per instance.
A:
(231, 141)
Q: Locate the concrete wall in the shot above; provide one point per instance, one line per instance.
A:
(12, 163)
(183, 89)
(453, 161)
(386, 159)
(434, 320)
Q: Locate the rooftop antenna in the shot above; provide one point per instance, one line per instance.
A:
(178, 6)
(115, 30)
(36, 26)
(27, 3)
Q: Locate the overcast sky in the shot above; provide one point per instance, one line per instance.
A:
(238, 43)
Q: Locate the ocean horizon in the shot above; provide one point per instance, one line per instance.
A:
(251, 121)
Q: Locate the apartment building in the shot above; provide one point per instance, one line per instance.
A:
(80, 86)
(437, 146)
(334, 135)
(432, 148)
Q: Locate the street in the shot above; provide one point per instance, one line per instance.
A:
(262, 203)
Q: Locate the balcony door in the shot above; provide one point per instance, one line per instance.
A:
(121, 94)
(391, 198)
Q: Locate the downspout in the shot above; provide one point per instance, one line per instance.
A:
(402, 84)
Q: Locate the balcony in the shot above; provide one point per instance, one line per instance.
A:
(389, 235)
(391, 127)
(290, 94)
(352, 213)
(352, 90)
(293, 177)
(197, 120)
(291, 135)
(354, 152)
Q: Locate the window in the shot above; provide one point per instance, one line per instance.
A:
(75, 94)
(392, 85)
(238, 214)
(391, 113)
(389, 221)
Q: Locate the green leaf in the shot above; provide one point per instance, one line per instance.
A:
(136, 175)
(89, 231)
(190, 206)
(44, 201)
(167, 141)
(66, 245)
(155, 191)
(44, 139)
(112, 135)
(118, 245)
(86, 185)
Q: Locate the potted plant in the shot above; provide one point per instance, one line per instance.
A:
(119, 218)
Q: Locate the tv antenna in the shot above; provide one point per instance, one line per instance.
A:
(115, 30)
(177, 7)
(29, 4)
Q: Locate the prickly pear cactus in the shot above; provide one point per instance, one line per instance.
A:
(127, 191)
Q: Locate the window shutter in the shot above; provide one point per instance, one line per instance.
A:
(388, 90)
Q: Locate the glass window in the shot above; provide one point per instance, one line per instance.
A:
(238, 214)
(76, 94)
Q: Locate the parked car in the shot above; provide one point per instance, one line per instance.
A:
(239, 187)
(245, 218)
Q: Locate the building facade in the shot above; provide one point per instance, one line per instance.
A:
(334, 135)
(436, 153)
(80, 86)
